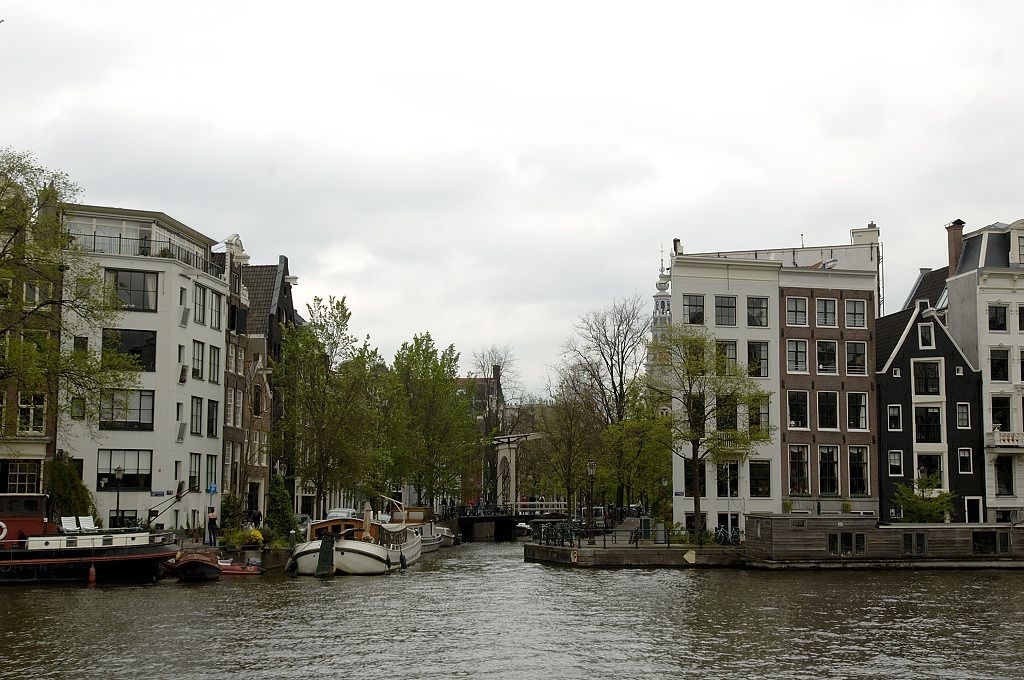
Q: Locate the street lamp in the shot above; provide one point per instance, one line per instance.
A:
(118, 476)
(591, 469)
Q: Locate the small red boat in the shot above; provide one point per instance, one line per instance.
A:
(229, 568)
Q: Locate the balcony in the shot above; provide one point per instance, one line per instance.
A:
(119, 245)
(1009, 442)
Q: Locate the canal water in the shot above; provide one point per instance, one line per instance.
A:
(479, 611)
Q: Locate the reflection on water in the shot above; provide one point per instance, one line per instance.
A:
(479, 611)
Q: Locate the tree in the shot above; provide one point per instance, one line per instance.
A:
(51, 292)
(640, 446)
(925, 501)
(322, 380)
(441, 433)
(280, 516)
(609, 349)
(708, 393)
(66, 494)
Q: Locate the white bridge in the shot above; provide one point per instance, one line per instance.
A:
(507, 446)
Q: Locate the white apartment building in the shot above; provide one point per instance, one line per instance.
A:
(169, 431)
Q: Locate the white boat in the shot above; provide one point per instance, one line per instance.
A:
(422, 517)
(429, 539)
(360, 546)
(447, 537)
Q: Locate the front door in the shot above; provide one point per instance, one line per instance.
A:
(972, 507)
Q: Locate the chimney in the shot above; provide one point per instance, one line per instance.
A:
(676, 249)
(955, 243)
(496, 373)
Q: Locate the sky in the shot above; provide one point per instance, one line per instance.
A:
(489, 172)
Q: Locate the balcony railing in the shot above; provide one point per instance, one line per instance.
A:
(145, 247)
(1007, 439)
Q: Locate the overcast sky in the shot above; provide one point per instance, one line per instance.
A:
(489, 172)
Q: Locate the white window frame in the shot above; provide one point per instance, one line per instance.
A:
(807, 362)
(817, 405)
(920, 340)
(835, 312)
(959, 370)
(31, 407)
(817, 366)
(867, 412)
(867, 469)
(958, 405)
(900, 407)
(846, 308)
(1006, 318)
(888, 462)
(847, 357)
(970, 460)
(806, 321)
(808, 402)
(839, 470)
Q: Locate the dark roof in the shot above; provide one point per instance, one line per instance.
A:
(259, 280)
(971, 256)
(218, 258)
(929, 287)
(888, 331)
(998, 250)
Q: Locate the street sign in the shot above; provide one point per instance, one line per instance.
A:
(212, 489)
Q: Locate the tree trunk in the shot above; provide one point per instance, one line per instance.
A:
(698, 524)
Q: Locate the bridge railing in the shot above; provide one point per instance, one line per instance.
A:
(540, 508)
(567, 534)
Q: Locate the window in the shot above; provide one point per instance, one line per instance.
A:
(728, 480)
(757, 415)
(23, 477)
(925, 336)
(856, 358)
(760, 478)
(828, 410)
(239, 359)
(1001, 414)
(928, 424)
(692, 309)
(725, 355)
(231, 358)
(216, 310)
(846, 543)
(757, 359)
(895, 463)
(196, 424)
(5, 289)
(725, 310)
(965, 461)
(963, 415)
(857, 410)
(702, 479)
(796, 311)
(238, 409)
(858, 471)
(198, 353)
(81, 343)
(996, 318)
(137, 466)
(960, 369)
(1020, 315)
(212, 417)
(31, 413)
(895, 372)
(797, 411)
(999, 362)
(856, 314)
(182, 296)
(796, 356)
(78, 408)
(126, 410)
(1004, 475)
(798, 479)
(37, 293)
(214, 364)
(757, 312)
(140, 344)
(137, 290)
(194, 460)
(211, 471)
(826, 309)
(199, 304)
(926, 377)
(726, 417)
(914, 544)
(827, 357)
(230, 406)
(828, 470)
(895, 417)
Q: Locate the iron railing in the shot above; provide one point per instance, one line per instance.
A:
(145, 247)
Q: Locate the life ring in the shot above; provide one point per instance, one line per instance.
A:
(3, 531)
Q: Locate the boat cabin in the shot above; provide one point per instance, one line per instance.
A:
(23, 515)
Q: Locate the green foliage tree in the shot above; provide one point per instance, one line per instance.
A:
(709, 394)
(279, 508)
(639, 447)
(925, 501)
(231, 511)
(441, 433)
(66, 494)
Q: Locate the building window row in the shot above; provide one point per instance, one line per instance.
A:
(692, 310)
(826, 357)
(826, 312)
(828, 410)
(759, 478)
(828, 470)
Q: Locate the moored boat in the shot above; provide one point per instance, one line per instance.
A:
(448, 537)
(197, 567)
(33, 549)
(253, 568)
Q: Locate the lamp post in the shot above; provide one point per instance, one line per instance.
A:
(118, 476)
(591, 469)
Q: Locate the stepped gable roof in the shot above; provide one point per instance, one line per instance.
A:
(888, 331)
(260, 280)
(929, 286)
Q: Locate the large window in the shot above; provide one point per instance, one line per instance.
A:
(126, 410)
(31, 412)
(926, 377)
(757, 415)
(826, 309)
(858, 471)
(857, 410)
(23, 476)
(797, 410)
(796, 311)
(856, 314)
(796, 356)
(196, 424)
(760, 478)
(963, 415)
(757, 359)
(702, 479)
(996, 318)
(895, 463)
(725, 351)
(140, 344)
(194, 461)
(827, 362)
(757, 312)
(856, 358)
(728, 480)
(965, 464)
(211, 471)
(199, 302)
(928, 424)
(137, 290)
(216, 310)
(693, 309)
(1001, 414)
(828, 410)
(137, 466)
(1004, 475)
(895, 417)
(1000, 363)
(725, 310)
(198, 355)
(212, 417)
(798, 478)
(214, 364)
(828, 470)
(726, 417)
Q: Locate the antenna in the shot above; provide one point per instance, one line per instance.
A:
(801, 240)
